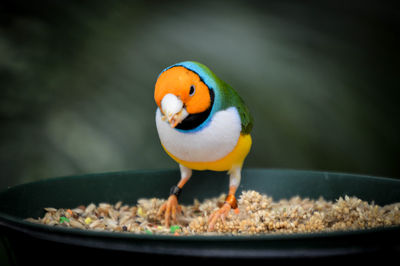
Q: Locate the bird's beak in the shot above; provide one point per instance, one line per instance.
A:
(173, 109)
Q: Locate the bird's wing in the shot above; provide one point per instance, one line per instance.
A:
(232, 98)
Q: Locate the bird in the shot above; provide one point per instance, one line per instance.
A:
(202, 124)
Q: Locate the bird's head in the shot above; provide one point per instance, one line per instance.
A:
(180, 93)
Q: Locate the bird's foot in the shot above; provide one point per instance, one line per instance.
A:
(230, 203)
(221, 213)
(169, 209)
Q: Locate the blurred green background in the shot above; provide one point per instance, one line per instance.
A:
(77, 80)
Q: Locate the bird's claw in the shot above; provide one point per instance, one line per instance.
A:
(221, 213)
(169, 209)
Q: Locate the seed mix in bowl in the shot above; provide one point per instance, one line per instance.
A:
(258, 214)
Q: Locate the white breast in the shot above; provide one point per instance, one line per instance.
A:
(217, 139)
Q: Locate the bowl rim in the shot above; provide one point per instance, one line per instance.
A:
(21, 224)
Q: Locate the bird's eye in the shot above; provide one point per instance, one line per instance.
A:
(192, 90)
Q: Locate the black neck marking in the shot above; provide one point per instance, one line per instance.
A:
(194, 120)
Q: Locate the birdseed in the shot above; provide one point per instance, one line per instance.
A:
(258, 214)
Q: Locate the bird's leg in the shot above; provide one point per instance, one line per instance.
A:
(170, 207)
(230, 200)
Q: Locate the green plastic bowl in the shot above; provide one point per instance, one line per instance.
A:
(28, 243)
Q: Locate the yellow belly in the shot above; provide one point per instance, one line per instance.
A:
(234, 158)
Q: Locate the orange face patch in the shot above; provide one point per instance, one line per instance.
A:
(179, 80)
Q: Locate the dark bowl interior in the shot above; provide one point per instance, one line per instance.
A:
(24, 240)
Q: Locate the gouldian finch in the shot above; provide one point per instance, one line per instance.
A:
(203, 124)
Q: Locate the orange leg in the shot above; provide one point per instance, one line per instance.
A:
(230, 201)
(171, 206)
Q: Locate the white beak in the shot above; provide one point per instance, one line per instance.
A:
(173, 109)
